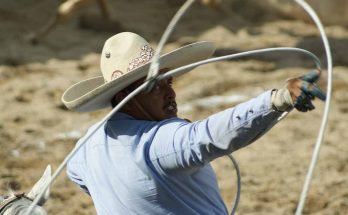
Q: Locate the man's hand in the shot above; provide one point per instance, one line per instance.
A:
(304, 89)
(299, 93)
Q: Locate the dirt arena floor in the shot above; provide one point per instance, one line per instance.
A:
(36, 130)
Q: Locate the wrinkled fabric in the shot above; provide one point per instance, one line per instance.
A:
(132, 166)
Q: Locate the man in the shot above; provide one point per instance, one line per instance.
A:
(146, 160)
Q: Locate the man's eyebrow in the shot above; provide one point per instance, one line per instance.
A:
(163, 70)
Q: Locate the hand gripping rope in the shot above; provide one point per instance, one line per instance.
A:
(153, 76)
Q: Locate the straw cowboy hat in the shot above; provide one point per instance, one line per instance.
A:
(126, 58)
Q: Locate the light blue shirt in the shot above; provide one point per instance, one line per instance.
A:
(131, 166)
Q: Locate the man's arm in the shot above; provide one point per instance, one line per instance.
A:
(181, 145)
(71, 168)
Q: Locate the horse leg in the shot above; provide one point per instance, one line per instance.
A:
(104, 8)
(64, 12)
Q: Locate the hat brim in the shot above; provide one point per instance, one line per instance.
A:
(93, 94)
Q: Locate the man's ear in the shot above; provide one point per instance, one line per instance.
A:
(119, 97)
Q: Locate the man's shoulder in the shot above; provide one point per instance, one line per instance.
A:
(173, 120)
(171, 124)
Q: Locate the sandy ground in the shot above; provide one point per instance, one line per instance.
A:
(36, 130)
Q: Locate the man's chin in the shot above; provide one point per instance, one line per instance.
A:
(171, 114)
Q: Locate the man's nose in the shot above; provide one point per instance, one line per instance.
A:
(171, 92)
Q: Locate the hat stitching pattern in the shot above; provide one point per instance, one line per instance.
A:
(116, 74)
(145, 56)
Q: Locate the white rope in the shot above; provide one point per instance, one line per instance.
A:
(239, 185)
(154, 66)
(142, 87)
(174, 72)
(186, 68)
(320, 138)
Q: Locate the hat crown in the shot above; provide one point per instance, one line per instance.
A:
(123, 53)
(125, 59)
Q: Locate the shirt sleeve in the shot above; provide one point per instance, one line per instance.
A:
(71, 171)
(77, 180)
(74, 169)
(184, 146)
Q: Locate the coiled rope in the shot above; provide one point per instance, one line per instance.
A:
(153, 77)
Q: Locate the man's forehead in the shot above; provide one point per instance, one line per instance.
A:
(140, 81)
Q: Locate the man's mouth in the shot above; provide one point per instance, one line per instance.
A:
(171, 107)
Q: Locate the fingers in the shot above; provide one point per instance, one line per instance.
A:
(303, 103)
(309, 92)
(313, 91)
(317, 92)
(312, 77)
(303, 90)
(309, 105)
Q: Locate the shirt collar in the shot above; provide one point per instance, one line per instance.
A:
(121, 116)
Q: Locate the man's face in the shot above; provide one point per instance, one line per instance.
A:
(159, 103)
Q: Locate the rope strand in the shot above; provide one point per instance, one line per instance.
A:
(324, 122)
(152, 76)
(154, 66)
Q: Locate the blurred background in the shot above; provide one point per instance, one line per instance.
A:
(39, 60)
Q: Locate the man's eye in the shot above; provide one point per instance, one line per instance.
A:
(157, 87)
(170, 82)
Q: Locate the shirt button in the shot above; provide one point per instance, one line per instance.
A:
(251, 111)
(238, 117)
